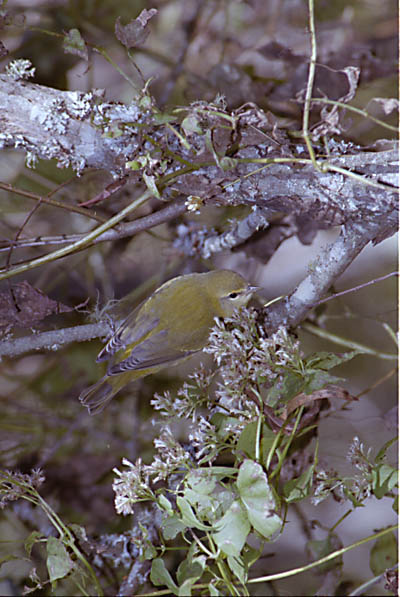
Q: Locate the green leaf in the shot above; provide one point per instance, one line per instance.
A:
(30, 541)
(59, 563)
(184, 568)
(285, 389)
(318, 380)
(328, 360)
(164, 118)
(159, 575)
(382, 452)
(299, 488)
(148, 551)
(133, 165)
(204, 504)
(201, 481)
(150, 183)
(189, 572)
(191, 124)
(223, 425)
(188, 516)
(171, 526)
(248, 438)
(165, 504)
(384, 479)
(75, 44)
(320, 549)
(383, 554)
(258, 499)
(213, 591)
(233, 529)
(198, 492)
(236, 564)
(250, 555)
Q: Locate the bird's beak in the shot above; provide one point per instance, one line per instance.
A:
(252, 289)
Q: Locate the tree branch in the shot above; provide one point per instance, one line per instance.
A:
(255, 164)
(322, 273)
(53, 340)
(79, 130)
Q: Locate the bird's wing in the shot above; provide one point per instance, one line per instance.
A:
(153, 352)
(135, 327)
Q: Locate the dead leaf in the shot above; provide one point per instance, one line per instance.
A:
(136, 32)
(307, 399)
(23, 306)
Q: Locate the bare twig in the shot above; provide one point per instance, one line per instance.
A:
(171, 211)
(359, 287)
(310, 82)
(80, 244)
(46, 199)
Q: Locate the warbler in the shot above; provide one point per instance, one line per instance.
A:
(167, 328)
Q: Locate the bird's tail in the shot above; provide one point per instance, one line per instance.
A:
(96, 397)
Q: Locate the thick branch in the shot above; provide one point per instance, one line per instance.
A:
(322, 273)
(356, 191)
(65, 125)
(79, 130)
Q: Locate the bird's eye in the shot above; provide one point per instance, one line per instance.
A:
(233, 295)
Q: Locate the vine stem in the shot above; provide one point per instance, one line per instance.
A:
(310, 84)
(80, 244)
(326, 335)
(323, 560)
(294, 571)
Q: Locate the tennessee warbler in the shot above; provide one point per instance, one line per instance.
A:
(168, 327)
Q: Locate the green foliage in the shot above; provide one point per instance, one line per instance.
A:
(219, 511)
(383, 554)
(63, 556)
(221, 497)
(237, 453)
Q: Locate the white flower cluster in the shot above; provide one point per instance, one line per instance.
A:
(134, 484)
(358, 456)
(188, 399)
(131, 486)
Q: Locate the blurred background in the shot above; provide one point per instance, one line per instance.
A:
(249, 51)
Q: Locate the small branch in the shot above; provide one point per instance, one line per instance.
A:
(310, 82)
(328, 558)
(313, 329)
(362, 589)
(197, 243)
(19, 232)
(53, 340)
(53, 202)
(80, 244)
(359, 287)
(363, 113)
(82, 131)
(323, 271)
(173, 210)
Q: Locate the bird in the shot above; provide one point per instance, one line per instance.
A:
(166, 329)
